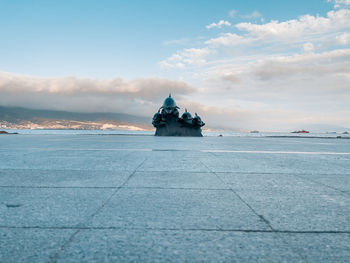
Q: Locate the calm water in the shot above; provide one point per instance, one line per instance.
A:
(149, 133)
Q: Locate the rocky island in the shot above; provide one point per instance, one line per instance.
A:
(168, 123)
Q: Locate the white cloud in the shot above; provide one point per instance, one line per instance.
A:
(343, 39)
(317, 30)
(232, 13)
(254, 14)
(218, 25)
(137, 96)
(304, 81)
(313, 66)
(256, 76)
(228, 39)
(304, 25)
(308, 47)
(264, 118)
(344, 2)
(340, 3)
(301, 86)
(189, 56)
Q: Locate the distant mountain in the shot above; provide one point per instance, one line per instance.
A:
(13, 114)
(17, 117)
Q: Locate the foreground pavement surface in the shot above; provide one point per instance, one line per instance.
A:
(94, 198)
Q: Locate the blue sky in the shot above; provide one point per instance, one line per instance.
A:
(242, 64)
(104, 39)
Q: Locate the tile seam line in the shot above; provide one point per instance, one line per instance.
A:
(262, 218)
(70, 239)
(322, 184)
(240, 198)
(112, 187)
(179, 229)
(200, 150)
(177, 171)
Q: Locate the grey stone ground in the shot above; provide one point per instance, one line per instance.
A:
(82, 198)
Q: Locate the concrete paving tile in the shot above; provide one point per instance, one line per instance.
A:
(251, 162)
(49, 207)
(62, 178)
(146, 224)
(176, 246)
(324, 247)
(301, 211)
(174, 208)
(173, 161)
(270, 182)
(71, 160)
(168, 160)
(176, 179)
(338, 181)
(31, 245)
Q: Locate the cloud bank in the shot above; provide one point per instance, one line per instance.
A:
(138, 96)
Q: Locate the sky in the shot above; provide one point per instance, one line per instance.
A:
(266, 65)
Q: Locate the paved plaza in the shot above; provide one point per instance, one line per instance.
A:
(108, 198)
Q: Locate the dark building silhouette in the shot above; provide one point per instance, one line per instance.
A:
(168, 123)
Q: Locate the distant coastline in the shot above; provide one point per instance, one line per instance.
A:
(223, 134)
(5, 132)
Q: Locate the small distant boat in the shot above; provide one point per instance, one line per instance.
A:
(301, 131)
(254, 131)
(345, 132)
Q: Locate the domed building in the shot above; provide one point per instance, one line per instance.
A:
(167, 121)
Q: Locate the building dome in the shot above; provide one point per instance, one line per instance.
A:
(169, 102)
(186, 115)
(167, 121)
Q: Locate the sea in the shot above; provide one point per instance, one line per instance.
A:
(151, 133)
